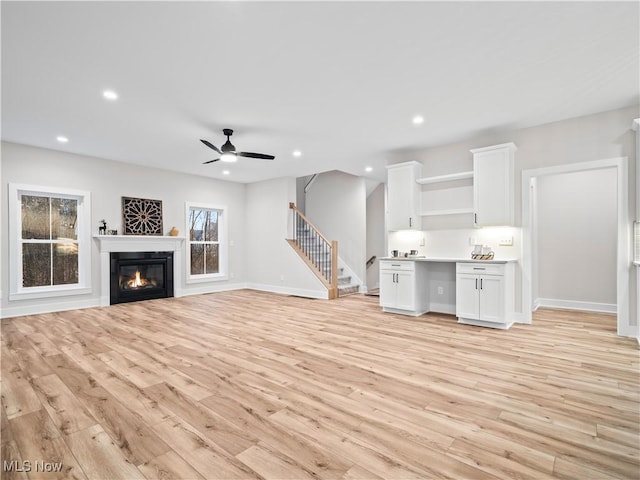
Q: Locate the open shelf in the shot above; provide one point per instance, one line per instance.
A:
(451, 211)
(445, 178)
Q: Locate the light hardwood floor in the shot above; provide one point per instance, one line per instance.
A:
(247, 384)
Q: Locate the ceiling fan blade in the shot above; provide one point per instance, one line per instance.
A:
(255, 155)
(211, 161)
(210, 145)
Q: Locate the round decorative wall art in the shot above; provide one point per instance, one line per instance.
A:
(141, 216)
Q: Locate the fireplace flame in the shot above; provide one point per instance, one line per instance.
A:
(136, 281)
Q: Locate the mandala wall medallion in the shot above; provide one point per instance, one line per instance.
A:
(141, 216)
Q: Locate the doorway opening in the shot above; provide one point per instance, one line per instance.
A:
(622, 253)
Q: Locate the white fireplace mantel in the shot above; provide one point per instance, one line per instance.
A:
(136, 243)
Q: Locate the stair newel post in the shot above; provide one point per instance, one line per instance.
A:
(334, 268)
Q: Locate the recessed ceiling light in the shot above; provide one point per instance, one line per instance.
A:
(368, 169)
(418, 120)
(297, 153)
(110, 95)
(226, 172)
(62, 139)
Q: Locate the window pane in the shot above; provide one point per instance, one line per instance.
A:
(212, 263)
(196, 225)
(35, 217)
(197, 259)
(64, 215)
(65, 263)
(36, 264)
(211, 226)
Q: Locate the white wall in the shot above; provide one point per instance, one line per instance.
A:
(272, 264)
(376, 234)
(337, 205)
(108, 181)
(577, 238)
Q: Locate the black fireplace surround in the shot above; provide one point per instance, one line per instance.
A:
(139, 276)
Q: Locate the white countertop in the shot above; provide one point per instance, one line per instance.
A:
(446, 260)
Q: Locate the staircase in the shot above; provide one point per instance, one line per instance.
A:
(321, 256)
(345, 284)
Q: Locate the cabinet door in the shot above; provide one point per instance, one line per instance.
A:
(493, 185)
(406, 290)
(403, 197)
(492, 301)
(387, 288)
(467, 296)
(398, 199)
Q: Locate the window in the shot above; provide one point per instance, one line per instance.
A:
(206, 252)
(50, 249)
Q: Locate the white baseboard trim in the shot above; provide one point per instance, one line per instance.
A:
(22, 310)
(536, 305)
(577, 305)
(442, 308)
(519, 317)
(298, 292)
(210, 288)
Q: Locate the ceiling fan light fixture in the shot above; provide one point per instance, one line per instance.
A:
(228, 157)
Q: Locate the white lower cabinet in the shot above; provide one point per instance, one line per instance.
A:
(484, 294)
(403, 287)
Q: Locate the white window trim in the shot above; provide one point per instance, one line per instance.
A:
(16, 290)
(222, 242)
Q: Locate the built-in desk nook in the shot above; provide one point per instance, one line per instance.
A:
(478, 292)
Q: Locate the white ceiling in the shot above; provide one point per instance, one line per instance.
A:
(338, 81)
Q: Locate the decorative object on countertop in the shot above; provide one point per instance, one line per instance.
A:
(482, 256)
(102, 229)
(141, 216)
(174, 232)
(394, 253)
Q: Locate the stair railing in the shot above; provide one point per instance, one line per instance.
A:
(321, 253)
(371, 261)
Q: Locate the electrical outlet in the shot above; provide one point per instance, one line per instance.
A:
(422, 241)
(282, 278)
(232, 243)
(231, 275)
(506, 242)
(473, 241)
(440, 291)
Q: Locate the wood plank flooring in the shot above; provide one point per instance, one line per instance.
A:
(248, 384)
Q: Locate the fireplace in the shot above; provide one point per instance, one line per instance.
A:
(141, 276)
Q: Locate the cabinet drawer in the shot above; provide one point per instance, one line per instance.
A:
(400, 265)
(481, 268)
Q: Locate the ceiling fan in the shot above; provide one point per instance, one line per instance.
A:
(228, 151)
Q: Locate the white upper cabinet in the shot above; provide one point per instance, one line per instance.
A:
(403, 196)
(493, 185)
